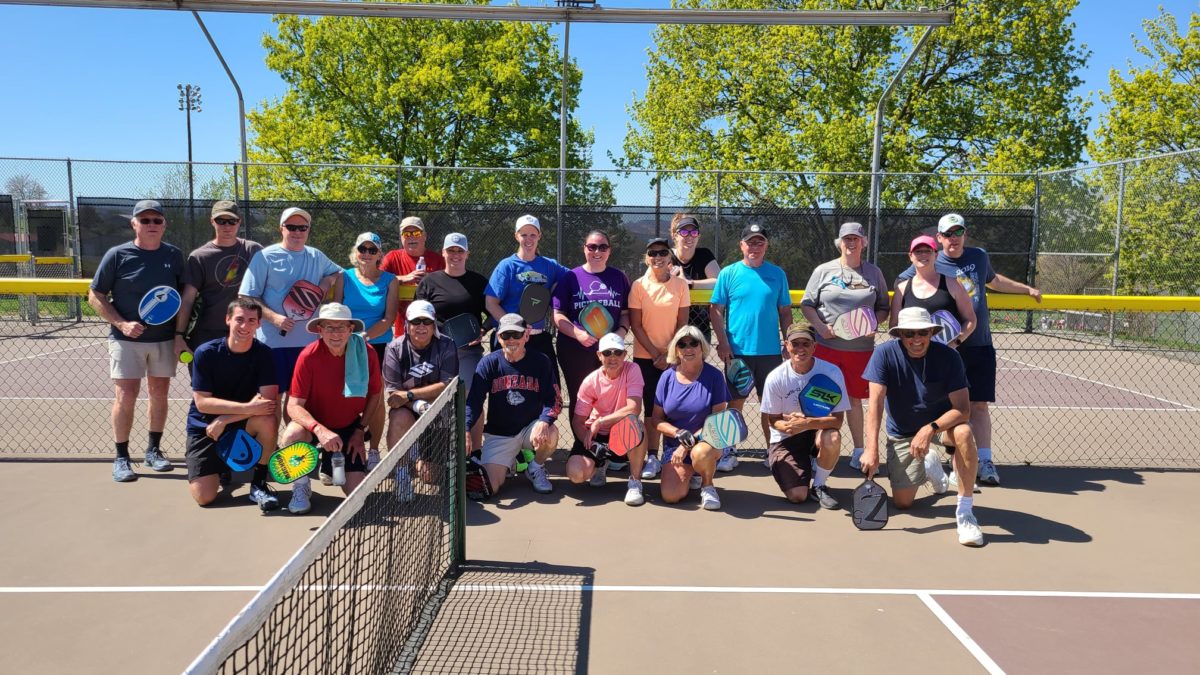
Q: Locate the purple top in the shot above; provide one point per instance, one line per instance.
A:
(687, 406)
(580, 287)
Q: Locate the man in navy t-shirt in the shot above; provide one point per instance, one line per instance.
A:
(924, 387)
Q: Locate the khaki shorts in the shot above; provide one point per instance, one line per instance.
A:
(135, 360)
(503, 450)
(904, 470)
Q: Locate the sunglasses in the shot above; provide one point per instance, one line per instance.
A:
(369, 250)
(328, 328)
(658, 253)
(226, 221)
(613, 352)
(296, 228)
(956, 232)
(511, 335)
(597, 247)
(802, 344)
(689, 232)
(421, 322)
(910, 334)
(412, 234)
(687, 344)
(147, 221)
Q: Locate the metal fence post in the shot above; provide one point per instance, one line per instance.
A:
(1035, 242)
(399, 194)
(717, 218)
(73, 307)
(1112, 317)
(657, 202)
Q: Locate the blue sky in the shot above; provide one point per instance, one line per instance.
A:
(101, 84)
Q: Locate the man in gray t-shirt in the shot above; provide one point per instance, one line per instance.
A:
(211, 278)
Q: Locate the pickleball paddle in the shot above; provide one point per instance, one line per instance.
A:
(291, 463)
(858, 322)
(724, 429)
(159, 305)
(462, 329)
(625, 435)
(950, 326)
(739, 377)
(820, 396)
(535, 303)
(869, 510)
(239, 450)
(301, 302)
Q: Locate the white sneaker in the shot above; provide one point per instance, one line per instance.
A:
(935, 473)
(404, 488)
(969, 533)
(372, 459)
(599, 476)
(652, 467)
(301, 491)
(709, 499)
(536, 473)
(695, 482)
(728, 461)
(633, 493)
(952, 482)
(988, 474)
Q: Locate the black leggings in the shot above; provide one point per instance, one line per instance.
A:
(576, 362)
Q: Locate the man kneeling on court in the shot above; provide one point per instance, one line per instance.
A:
(795, 438)
(924, 386)
(337, 379)
(523, 403)
(233, 387)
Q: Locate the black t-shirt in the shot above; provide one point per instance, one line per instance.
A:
(694, 269)
(452, 296)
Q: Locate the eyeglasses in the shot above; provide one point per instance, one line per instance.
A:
(687, 344)
(421, 322)
(690, 232)
(339, 328)
(910, 334)
(412, 234)
(296, 228)
(956, 232)
(226, 221)
(147, 221)
(613, 352)
(511, 335)
(369, 250)
(658, 253)
(597, 247)
(802, 344)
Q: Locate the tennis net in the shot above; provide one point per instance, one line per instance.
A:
(363, 591)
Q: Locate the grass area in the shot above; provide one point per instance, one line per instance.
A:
(53, 307)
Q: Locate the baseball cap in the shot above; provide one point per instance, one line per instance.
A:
(455, 240)
(146, 205)
(369, 236)
(923, 240)
(611, 341)
(949, 222)
(420, 309)
(849, 229)
(657, 241)
(226, 208)
(295, 211)
(509, 323)
(753, 229)
(800, 328)
(528, 220)
(412, 221)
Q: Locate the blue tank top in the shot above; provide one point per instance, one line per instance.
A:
(367, 303)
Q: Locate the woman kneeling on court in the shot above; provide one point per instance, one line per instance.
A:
(607, 396)
(688, 392)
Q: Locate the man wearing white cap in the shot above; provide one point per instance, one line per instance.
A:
(330, 393)
(973, 269)
(412, 261)
(270, 276)
(923, 386)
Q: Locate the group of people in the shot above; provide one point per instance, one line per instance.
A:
(360, 371)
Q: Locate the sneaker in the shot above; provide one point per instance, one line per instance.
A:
(264, 496)
(301, 491)
(988, 474)
(536, 473)
(404, 488)
(599, 476)
(969, 533)
(618, 465)
(225, 477)
(728, 461)
(952, 482)
(633, 493)
(122, 472)
(855, 462)
(696, 482)
(326, 479)
(935, 473)
(652, 467)
(709, 499)
(155, 460)
(821, 495)
(372, 460)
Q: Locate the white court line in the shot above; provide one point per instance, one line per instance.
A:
(957, 631)
(577, 588)
(1103, 384)
(56, 351)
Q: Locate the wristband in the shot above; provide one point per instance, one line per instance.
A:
(313, 429)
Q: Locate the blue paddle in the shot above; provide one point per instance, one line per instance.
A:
(820, 396)
(239, 450)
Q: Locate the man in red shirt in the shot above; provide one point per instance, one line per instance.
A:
(411, 262)
(321, 412)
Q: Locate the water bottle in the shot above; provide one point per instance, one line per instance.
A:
(419, 407)
(421, 264)
(339, 468)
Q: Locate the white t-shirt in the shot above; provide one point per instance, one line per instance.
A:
(781, 394)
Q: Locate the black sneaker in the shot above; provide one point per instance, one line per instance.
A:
(225, 477)
(264, 496)
(155, 460)
(821, 494)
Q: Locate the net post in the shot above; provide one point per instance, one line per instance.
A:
(459, 498)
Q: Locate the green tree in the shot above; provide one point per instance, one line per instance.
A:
(992, 92)
(442, 94)
(1153, 110)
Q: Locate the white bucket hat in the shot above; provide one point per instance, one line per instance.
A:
(913, 318)
(334, 311)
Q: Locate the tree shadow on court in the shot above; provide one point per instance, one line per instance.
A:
(1020, 527)
(1066, 480)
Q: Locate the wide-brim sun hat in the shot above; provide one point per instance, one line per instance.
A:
(913, 318)
(334, 311)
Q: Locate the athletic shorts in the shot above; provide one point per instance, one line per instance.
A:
(852, 365)
(352, 463)
(760, 368)
(503, 450)
(650, 376)
(791, 460)
(668, 453)
(201, 454)
(135, 360)
(904, 470)
(285, 365)
(980, 363)
(584, 452)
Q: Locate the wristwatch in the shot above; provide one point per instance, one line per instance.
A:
(935, 426)
(411, 397)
